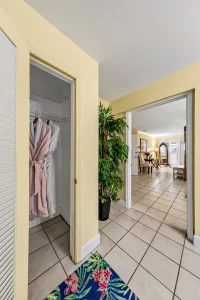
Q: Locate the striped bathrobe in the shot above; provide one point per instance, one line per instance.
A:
(40, 137)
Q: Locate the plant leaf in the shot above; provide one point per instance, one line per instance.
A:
(71, 297)
(85, 293)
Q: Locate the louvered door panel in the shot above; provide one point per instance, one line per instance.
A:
(7, 165)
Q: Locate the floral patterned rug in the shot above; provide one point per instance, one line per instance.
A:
(93, 280)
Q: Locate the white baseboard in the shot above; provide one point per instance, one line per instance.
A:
(122, 203)
(90, 246)
(197, 241)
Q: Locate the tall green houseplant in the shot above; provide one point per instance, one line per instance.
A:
(113, 153)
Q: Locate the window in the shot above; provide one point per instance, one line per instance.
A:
(173, 153)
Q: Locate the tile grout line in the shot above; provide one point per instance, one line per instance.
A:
(51, 224)
(59, 258)
(57, 254)
(138, 221)
(149, 245)
(36, 231)
(43, 228)
(43, 272)
(159, 210)
(190, 249)
(190, 271)
(151, 241)
(157, 279)
(50, 242)
(178, 272)
(171, 207)
(39, 248)
(142, 257)
(58, 236)
(162, 221)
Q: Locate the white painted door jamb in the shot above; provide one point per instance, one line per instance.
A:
(189, 160)
(128, 164)
(72, 179)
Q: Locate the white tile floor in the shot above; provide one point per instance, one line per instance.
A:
(150, 251)
(48, 250)
(145, 245)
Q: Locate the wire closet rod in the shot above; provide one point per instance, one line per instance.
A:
(44, 115)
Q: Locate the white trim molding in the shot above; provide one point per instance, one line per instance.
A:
(197, 241)
(189, 161)
(161, 102)
(128, 163)
(122, 203)
(90, 246)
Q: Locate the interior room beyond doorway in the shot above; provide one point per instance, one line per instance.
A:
(159, 162)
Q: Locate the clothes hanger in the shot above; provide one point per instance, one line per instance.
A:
(35, 120)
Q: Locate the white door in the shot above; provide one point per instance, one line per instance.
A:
(14, 155)
(134, 155)
(7, 165)
(173, 153)
(182, 153)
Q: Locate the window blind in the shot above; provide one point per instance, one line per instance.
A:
(7, 165)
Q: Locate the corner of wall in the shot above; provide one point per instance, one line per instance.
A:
(104, 102)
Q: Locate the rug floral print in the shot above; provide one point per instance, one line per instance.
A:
(93, 280)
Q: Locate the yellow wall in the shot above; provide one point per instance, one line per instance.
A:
(182, 81)
(41, 39)
(104, 102)
(169, 138)
(151, 141)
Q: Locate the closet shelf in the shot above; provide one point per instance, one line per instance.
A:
(45, 115)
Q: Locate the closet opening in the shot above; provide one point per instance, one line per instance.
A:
(51, 148)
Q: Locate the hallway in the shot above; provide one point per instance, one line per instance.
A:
(155, 259)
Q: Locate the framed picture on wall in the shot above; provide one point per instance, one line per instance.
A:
(143, 145)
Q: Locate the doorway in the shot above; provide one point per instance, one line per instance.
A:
(177, 155)
(51, 234)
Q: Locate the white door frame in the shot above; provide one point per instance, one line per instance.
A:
(128, 163)
(189, 159)
(134, 157)
(72, 200)
(189, 153)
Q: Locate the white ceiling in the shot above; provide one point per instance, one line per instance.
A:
(164, 120)
(136, 42)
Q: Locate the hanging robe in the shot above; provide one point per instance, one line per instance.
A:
(50, 169)
(40, 137)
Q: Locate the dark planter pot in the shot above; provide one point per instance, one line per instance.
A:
(104, 210)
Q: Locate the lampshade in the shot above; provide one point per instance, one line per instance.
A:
(156, 150)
